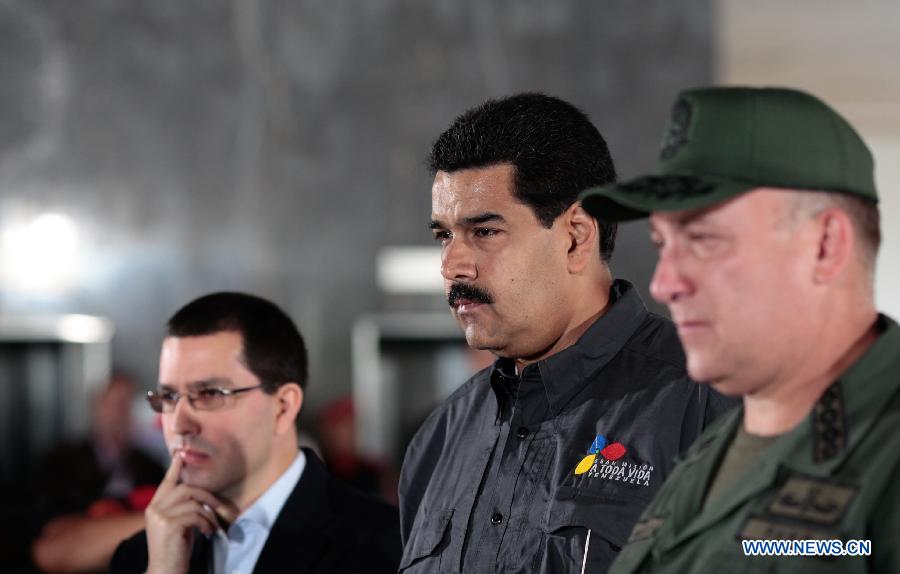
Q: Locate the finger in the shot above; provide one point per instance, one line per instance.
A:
(170, 480)
(187, 492)
(164, 501)
(183, 524)
(193, 514)
(223, 512)
(179, 512)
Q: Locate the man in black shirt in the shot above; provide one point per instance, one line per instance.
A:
(543, 462)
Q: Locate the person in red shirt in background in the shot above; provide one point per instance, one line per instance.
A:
(91, 494)
(336, 431)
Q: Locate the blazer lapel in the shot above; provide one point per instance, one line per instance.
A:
(305, 526)
(200, 554)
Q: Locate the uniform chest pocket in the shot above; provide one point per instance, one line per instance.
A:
(430, 537)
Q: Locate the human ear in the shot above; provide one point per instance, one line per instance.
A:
(583, 236)
(289, 400)
(835, 242)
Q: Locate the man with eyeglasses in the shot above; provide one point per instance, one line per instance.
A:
(239, 496)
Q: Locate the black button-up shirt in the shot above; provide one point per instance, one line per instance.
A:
(549, 471)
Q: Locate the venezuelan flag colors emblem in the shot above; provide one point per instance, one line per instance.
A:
(601, 446)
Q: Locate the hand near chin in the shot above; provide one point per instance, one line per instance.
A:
(175, 510)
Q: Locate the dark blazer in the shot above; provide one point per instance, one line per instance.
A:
(324, 527)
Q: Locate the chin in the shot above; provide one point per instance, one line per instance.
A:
(475, 337)
(484, 344)
(200, 479)
(479, 344)
(727, 387)
(703, 371)
(717, 379)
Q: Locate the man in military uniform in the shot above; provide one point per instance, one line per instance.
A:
(764, 212)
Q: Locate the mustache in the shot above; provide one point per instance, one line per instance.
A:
(466, 291)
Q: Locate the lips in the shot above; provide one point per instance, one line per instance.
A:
(467, 305)
(689, 323)
(191, 456)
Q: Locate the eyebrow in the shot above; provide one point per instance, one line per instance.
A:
(471, 220)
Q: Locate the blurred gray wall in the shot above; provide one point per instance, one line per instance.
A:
(274, 146)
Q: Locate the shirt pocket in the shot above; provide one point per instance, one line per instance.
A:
(430, 538)
(589, 528)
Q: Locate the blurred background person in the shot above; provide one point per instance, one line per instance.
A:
(90, 494)
(336, 430)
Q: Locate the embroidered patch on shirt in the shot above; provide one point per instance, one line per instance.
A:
(603, 460)
(771, 528)
(812, 500)
(600, 446)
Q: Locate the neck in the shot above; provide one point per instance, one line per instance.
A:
(249, 491)
(781, 406)
(592, 304)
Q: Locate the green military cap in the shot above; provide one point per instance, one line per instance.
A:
(721, 142)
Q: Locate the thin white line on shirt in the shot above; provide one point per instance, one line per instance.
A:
(587, 544)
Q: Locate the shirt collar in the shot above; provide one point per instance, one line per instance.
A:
(846, 412)
(839, 420)
(565, 373)
(265, 510)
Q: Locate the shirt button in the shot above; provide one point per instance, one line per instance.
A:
(522, 432)
(496, 518)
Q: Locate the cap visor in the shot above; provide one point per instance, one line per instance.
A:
(639, 197)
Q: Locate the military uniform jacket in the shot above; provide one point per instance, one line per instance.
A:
(549, 471)
(834, 477)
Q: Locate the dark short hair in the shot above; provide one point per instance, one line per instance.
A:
(273, 347)
(556, 150)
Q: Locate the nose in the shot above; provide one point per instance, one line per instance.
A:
(670, 282)
(458, 261)
(182, 419)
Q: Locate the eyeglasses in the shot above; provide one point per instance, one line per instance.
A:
(207, 399)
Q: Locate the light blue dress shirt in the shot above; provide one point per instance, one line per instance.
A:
(236, 551)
